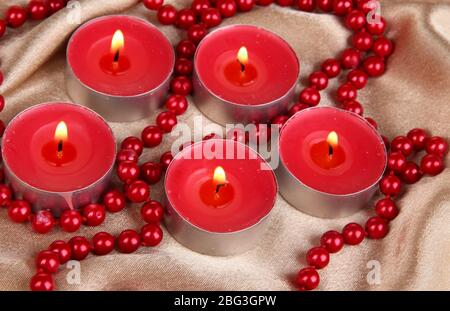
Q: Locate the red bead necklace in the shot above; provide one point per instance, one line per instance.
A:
(365, 59)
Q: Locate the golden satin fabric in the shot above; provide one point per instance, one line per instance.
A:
(415, 91)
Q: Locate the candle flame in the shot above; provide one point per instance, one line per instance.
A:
(242, 56)
(61, 132)
(332, 139)
(117, 42)
(220, 177)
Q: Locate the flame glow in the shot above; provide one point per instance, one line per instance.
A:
(61, 132)
(220, 177)
(117, 42)
(332, 139)
(242, 56)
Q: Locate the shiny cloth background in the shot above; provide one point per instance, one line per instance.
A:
(415, 92)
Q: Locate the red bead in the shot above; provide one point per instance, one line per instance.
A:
(177, 104)
(2, 28)
(185, 48)
(279, 120)
(374, 66)
(152, 136)
(377, 27)
(325, 5)
(114, 201)
(396, 162)
(306, 5)
(152, 212)
(127, 155)
(346, 92)
(151, 172)
(167, 14)
(390, 185)
(363, 41)
(386, 208)
(80, 247)
(367, 5)
(15, 16)
(318, 79)
(264, 2)
(181, 85)
(227, 8)
(296, 108)
(357, 78)
(102, 243)
(128, 171)
(355, 20)
(245, 5)
(331, 67)
(5, 195)
(402, 144)
(165, 160)
(2, 128)
(37, 10)
(436, 145)
(42, 221)
(307, 279)
(197, 32)
(418, 138)
(19, 211)
(128, 241)
(318, 257)
(138, 191)
(342, 7)
(185, 18)
(166, 121)
(285, 3)
(432, 164)
(383, 47)
(377, 227)
(47, 261)
(55, 5)
(211, 17)
(350, 58)
(310, 96)
(42, 282)
(354, 106)
(94, 214)
(133, 143)
(411, 173)
(198, 6)
(332, 240)
(353, 234)
(2, 99)
(151, 235)
(183, 66)
(62, 249)
(153, 4)
(70, 221)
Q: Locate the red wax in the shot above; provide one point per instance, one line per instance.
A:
(31, 151)
(272, 68)
(246, 198)
(145, 62)
(357, 162)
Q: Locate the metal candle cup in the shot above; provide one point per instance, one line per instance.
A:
(319, 185)
(218, 230)
(139, 82)
(256, 89)
(49, 182)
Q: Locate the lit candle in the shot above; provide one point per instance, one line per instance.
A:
(330, 162)
(218, 206)
(58, 156)
(120, 66)
(244, 74)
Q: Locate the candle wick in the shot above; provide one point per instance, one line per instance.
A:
(60, 148)
(330, 150)
(242, 67)
(116, 56)
(218, 187)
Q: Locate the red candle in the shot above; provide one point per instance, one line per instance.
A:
(119, 63)
(333, 154)
(58, 155)
(216, 205)
(244, 73)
